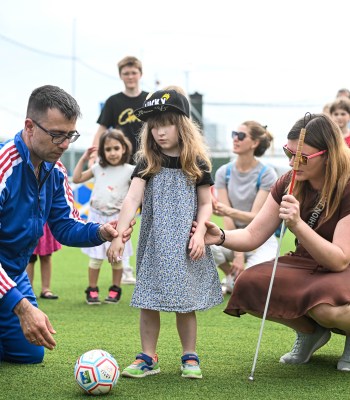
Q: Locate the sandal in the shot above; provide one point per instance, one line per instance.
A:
(48, 295)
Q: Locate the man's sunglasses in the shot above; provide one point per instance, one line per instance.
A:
(303, 157)
(240, 135)
(59, 138)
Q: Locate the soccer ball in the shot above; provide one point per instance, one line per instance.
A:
(96, 372)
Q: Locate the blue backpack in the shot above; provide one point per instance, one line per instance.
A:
(258, 183)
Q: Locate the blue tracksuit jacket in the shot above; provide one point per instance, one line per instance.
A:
(25, 205)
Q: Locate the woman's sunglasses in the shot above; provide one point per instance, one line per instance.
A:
(303, 157)
(240, 135)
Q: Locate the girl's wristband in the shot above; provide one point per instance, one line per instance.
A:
(222, 238)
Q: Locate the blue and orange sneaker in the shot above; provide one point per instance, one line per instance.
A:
(190, 366)
(143, 365)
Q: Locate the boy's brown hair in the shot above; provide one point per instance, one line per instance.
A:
(129, 61)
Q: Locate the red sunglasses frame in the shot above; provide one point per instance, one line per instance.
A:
(304, 158)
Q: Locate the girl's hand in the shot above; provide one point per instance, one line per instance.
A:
(196, 246)
(212, 235)
(290, 211)
(89, 152)
(115, 250)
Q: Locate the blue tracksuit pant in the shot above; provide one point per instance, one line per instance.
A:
(14, 347)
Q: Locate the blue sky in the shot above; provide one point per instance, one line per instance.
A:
(231, 51)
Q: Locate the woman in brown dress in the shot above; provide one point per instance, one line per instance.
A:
(311, 287)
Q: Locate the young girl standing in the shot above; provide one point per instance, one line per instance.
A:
(174, 273)
(111, 183)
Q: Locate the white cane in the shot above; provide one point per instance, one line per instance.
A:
(290, 191)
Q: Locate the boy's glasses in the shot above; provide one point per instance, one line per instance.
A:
(303, 157)
(240, 135)
(59, 138)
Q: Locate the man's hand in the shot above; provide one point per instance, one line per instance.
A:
(35, 325)
(109, 231)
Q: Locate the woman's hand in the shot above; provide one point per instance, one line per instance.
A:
(221, 209)
(290, 211)
(237, 264)
(212, 235)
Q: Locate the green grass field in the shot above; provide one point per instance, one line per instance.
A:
(226, 346)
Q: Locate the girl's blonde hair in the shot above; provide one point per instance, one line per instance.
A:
(193, 150)
(323, 134)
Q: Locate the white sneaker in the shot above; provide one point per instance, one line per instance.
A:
(344, 362)
(305, 345)
(227, 284)
(128, 278)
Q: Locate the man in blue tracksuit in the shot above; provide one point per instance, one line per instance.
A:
(34, 189)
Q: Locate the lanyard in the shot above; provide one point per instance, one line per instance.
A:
(314, 217)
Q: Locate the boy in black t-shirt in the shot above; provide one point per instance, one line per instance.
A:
(118, 111)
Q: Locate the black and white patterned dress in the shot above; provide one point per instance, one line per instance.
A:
(167, 278)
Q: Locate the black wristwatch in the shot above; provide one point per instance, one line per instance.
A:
(222, 238)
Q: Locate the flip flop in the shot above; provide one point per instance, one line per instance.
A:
(48, 295)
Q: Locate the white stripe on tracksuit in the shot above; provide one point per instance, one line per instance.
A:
(6, 283)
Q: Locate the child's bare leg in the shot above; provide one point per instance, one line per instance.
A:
(117, 271)
(46, 269)
(187, 328)
(93, 277)
(149, 331)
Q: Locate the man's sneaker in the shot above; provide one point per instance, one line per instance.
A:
(114, 294)
(190, 366)
(305, 345)
(227, 284)
(344, 362)
(128, 276)
(143, 365)
(92, 296)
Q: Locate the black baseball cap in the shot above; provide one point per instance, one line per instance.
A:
(161, 101)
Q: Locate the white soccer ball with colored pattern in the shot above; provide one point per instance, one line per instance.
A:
(96, 372)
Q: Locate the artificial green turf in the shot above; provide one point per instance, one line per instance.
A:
(226, 346)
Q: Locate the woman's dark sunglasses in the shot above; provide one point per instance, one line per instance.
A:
(303, 157)
(240, 135)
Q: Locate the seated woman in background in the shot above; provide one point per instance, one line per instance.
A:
(242, 187)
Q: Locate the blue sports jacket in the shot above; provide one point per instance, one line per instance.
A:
(25, 205)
